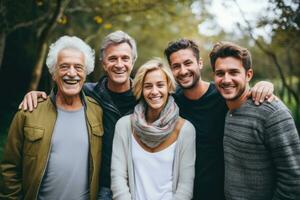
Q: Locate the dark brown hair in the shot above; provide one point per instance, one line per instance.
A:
(229, 49)
(182, 44)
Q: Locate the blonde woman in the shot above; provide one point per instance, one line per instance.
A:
(153, 149)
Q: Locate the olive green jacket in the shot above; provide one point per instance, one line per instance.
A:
(28, 145)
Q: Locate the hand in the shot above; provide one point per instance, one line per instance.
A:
(262, 91)
(31, 100)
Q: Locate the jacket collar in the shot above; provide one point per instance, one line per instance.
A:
(54, 92)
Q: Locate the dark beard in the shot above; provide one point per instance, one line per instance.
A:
(195, 81)
(241, 92)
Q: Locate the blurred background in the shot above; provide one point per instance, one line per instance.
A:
(268, 28)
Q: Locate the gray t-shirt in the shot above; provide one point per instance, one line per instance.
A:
(66, 175)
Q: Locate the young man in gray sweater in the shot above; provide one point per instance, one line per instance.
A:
(261, 143)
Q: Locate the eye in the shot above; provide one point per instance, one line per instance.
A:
(125, 58)
(234, 73)
(175, 66)
(188, 63)
(79, 68)
(219, 74)
(112, 59)
(161, 85)
(64, 67)
(147, 86)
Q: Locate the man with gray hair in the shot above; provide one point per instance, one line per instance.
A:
(54, 152)
(113, 91)
(118, 53)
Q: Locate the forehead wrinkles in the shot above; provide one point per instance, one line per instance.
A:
(118, 49)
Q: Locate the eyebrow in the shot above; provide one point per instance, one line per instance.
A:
(155, 82)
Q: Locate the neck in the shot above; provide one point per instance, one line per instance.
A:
(236, 103)
(68, 103)
(118, 87)
(197, 91)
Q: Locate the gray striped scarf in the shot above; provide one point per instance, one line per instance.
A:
(155, 133)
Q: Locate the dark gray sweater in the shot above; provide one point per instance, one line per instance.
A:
(262, 153)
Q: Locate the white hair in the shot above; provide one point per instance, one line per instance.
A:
(118, 37)
(70, 42)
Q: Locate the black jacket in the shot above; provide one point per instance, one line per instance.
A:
(111, 114)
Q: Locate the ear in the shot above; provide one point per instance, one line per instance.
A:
(200, 63)
(54, 74)
(249, 75)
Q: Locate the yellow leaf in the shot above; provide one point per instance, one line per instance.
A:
(62, 20)
(98, 19)
(107, 26)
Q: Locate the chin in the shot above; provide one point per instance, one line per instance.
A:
(120, 80)
(229, 97)
(71, 93)
(155, 107)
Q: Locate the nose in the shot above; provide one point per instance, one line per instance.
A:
(183, 70)
(226, 78)
(154, 90)
(72, 71)
(119, 62)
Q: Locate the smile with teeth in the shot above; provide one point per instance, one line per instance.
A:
(156, 98)
(227, 87)
(119, 72)
(71, 81)
(185, 78)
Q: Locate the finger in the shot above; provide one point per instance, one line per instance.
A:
(44, 95)
(264, 95)
(271, 98)
(40, 100)
(253, 93)
(259, 95)
(29, 102)
(20, 105)
(256, 94)
(34, 99)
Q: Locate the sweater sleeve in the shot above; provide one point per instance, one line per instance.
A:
(11, 166)
(187, 165)
(119, 169)
(283, 142)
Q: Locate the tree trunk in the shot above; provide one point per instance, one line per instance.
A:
(43, 41)
(38, 68)
(2, 47)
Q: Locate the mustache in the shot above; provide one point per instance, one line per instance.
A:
(68, 78)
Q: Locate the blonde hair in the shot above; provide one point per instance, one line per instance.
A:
(152, 65)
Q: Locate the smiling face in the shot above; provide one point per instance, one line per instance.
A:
(70, 73)
(118, 63)
(231, 78)
(155, 90)
(185, 68)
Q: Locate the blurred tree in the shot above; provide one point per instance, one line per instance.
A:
(284, 48)
(144, 20)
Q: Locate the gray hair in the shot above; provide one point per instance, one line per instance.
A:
(70, 42)
(118, 37)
